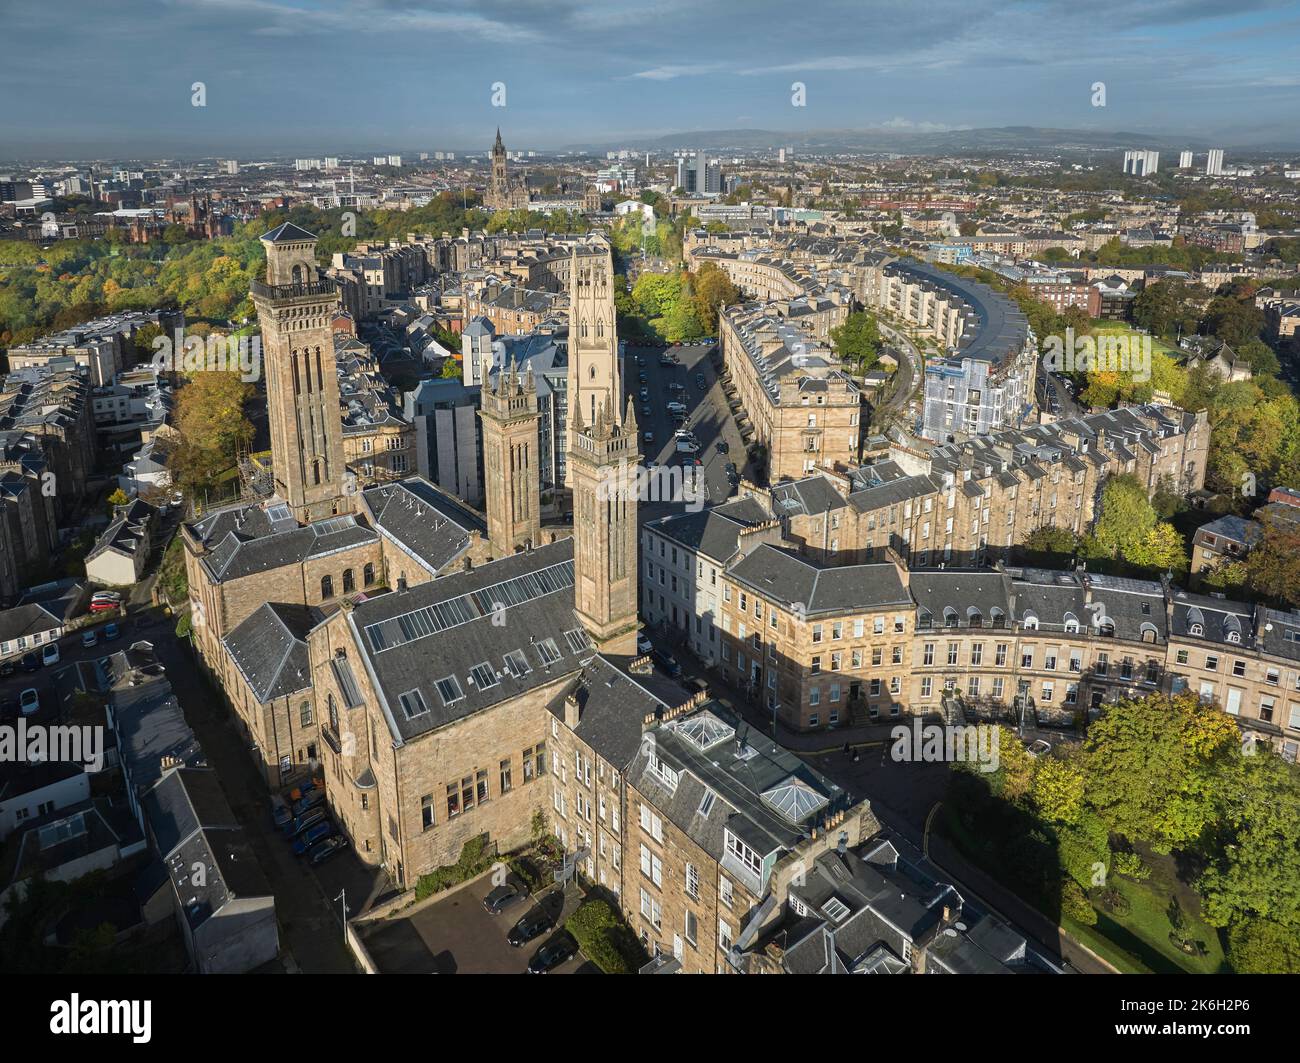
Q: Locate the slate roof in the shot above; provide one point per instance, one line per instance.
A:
(23, 621)
(1217, 617)
(611, 706)
(270, 649)
(195, 828)
(738, 770)
(247, 540)
(934, 591)
(397, 636)
(128, 531)
(789, 579)
(288, 233)
(713, 531)
(813, 494)
(428, 524)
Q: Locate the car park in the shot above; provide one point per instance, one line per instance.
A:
(534, 924)
(90, 636)
(29, 701)
(558, 950)
(502, 897)
(326, 850)
(50, 654)
(317, 832)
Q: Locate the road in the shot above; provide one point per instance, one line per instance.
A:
(908, 377)
(709, 417)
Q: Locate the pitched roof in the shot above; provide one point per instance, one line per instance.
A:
(288, 233)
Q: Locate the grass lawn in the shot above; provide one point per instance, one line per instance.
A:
(1101, 327)
(1136, 942)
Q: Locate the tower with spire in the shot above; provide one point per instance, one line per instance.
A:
(499, 189)
(511, 465)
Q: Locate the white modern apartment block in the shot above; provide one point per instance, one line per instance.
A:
(1214, 162)
(1141, 163)
(1185, 160)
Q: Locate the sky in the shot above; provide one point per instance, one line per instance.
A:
(284, 77)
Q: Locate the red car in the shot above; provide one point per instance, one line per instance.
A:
(104, 604)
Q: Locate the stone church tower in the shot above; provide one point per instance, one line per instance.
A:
(295, 306)
(511, 470)
(594, 378)
(603, 462)
(499, 189)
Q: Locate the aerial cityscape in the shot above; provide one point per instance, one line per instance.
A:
(704, 508)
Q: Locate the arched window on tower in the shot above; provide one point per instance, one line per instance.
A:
(368, 574)
(297, 274)
(326, 588)
(349, 581)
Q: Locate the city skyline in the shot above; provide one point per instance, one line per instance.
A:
(285, 75)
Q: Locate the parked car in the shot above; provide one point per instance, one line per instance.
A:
(532, 925)
(90, 636)
(326, 850)
(649, 437)
(558, 950)
(106, 596)
(111, 631)
(101, 605)
(676, 407)
(308, 801)
(7, 668)
(308, 819)
(722, 447)
(501, 898)
(281, 816)
(318, 832)
(667, 662)
(50, 654)
(29, 701)
(643, 644)
(31, 662)
(699, 381)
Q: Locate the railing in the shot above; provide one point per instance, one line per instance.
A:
(294, 291)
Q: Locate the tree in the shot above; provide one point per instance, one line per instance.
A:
(857, 341)
(1151, 767)
(451, 369)
(1049, 546)
(1256, 873)
(211, 427)
(1126, 515)
(1262, 946)
(117, 498)
(712, 289)
(1057, 791)
(1273, 566)
(1162, 548)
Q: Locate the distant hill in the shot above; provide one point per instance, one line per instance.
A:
(998, 141)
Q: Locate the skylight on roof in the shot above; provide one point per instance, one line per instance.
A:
(517, 664)
(413, 703)
(704, 730)
(548, 651)
(484, 676)
(835, 910)
(795, 799)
